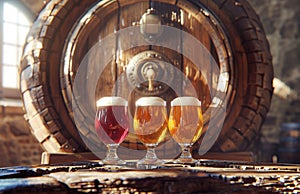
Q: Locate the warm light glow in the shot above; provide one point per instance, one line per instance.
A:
(15, 28)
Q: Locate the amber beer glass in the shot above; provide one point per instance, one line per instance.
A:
(150, 125)
(112, 125)
(185, 125)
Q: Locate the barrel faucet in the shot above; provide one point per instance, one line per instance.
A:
(150, 74)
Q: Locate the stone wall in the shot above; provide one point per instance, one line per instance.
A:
(17, 144)
(281, 21)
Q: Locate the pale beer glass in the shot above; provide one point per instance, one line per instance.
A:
(112, 125)
(185, 125)
(151, 126)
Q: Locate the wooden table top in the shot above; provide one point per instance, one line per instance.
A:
(206, 176)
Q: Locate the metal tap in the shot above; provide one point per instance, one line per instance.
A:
(150, 74)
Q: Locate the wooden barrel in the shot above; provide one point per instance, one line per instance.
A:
(65, 31)
(289, 146)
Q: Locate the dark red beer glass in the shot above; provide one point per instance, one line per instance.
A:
(112, 125)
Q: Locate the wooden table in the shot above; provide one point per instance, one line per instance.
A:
(207, 176)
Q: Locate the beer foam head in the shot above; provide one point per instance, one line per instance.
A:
(150, 101)
(112, 101)
(186, 101)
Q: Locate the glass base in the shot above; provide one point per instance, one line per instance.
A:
(148, 166)
(150, 160)
(111, 155)
(186, 156)
(185, 161)
(116, 161)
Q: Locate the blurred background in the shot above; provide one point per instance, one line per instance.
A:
(281, 21)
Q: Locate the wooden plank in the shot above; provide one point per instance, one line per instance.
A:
(31, 185)
(28, 105)
(60, 158)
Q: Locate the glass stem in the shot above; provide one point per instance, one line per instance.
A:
(186, 152)
(150, 153)
(112, 151)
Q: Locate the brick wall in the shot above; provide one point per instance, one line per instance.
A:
(17, 145)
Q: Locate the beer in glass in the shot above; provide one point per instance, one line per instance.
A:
(150, 125)
(112, 125)
(185, 125)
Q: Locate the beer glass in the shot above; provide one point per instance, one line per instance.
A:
(112, 125)
(185, 125)
(150, 125)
